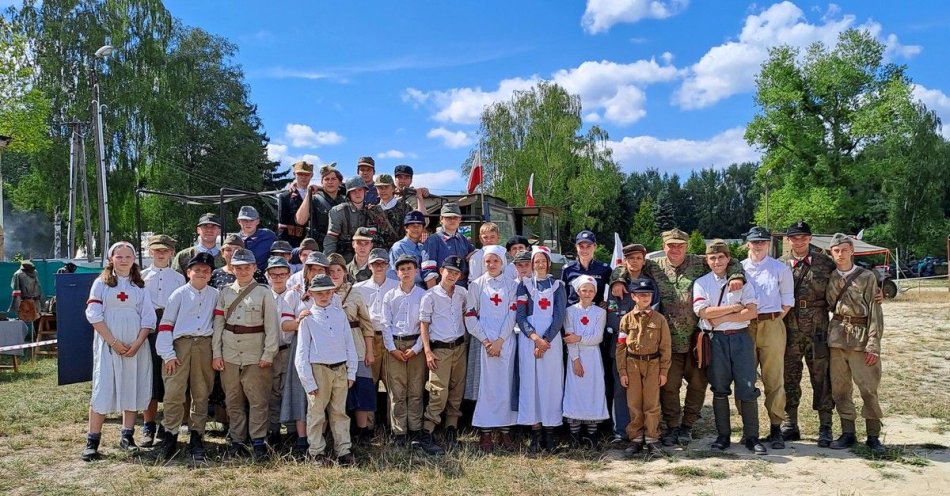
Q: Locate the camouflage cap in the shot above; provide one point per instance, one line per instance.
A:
(303, 166)
(674, 236)
(331, 169)
(385, 180)
(840, 239)
(524, 256)
(355, 183)
(161, 241)
(364, 234)
(718, 246)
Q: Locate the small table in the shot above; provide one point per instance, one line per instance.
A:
(12, 332)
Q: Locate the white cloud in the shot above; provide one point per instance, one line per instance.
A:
(395, 154)
(302, 135)
(307, 157)
(600, 15)
(445, 180)
(451, 139)
(730, 68)
(276, 152)
(936, 101)
(608, 89)
(641, 152)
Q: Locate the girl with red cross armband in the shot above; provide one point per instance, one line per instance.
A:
(122, 315)
(541, 303)
(585, 400)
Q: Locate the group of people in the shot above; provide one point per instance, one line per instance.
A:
(297, 329)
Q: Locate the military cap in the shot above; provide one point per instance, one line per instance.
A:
(451, 210)
(378, 254)
(234, 240)
(277, 263)
(406, 258)
(330, 169)
(403, 169)
(452, 262)
(281, 246)
(634, 248)
(203, 258)
(414, 217)
(758, 234)
(355, 183)
(248, 213)
(322, 282)
(209, 218)
(718, 246)
(642, 285)
(309, 244)
(161, 241)
(517, 240)
(385, 180)
(674, 236)
(367, 161)
(585, 236)
(524, 256)
(243, 256)
(840, 239)
(800, 227)
(26, 263)
(303, 166)
(317, 258)
(364, 233)
(336, 259)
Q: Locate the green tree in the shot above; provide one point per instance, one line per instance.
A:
(697, 245)
(643, 227)
(25, 111)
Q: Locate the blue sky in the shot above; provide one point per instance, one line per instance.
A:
(405, 81)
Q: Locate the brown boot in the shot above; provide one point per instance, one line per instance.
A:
(507, 443)
(485, 442)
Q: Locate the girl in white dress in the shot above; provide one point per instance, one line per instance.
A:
(122, 315)
(490, 319)
(584, 390)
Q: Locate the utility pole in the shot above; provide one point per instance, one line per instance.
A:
(101, 187)
(4, 143)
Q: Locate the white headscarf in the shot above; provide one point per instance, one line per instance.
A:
(498, 251)
(582, 280)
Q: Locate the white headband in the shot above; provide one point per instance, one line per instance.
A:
(117, 244)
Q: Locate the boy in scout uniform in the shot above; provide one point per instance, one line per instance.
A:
(643, 361)
(244, 344)
(854, 337)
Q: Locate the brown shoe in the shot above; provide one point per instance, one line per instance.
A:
(485, 443)
(507, 444)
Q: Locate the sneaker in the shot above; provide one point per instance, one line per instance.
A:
(428, 445)
(168, 447)
(824, 436)
(634, 449)
(196, 446)
(485, 443)
(668, 438)
(721, 443)
(148, 437)
(753, 445)
(346, 460)
(654, 449)
(451, 437)
(874, 444)
(684, 435)
(844, 441)
(776, 437)
(91, 451)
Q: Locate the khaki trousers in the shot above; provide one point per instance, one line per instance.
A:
(446, 386)
(378, 371)
(330, 400)
(193, 379)
(769, 339)
(246, 385)
(643, 399)
(278, 373)
(848, 366)
(405, 382)
(683, 366)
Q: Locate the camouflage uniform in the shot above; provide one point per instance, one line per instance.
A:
(345, 220)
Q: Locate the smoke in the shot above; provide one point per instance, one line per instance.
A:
(29, 234)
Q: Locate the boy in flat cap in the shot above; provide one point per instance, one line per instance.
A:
(244, 344)
(160, 281)
(184, 344)
(289, 201)
(208, 229)
(854, 336)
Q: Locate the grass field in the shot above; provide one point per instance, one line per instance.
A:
(42, 430)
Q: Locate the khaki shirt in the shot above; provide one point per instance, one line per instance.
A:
(858, 301)
(181, 259)
(257, 308)
(356, 313)
(647, 333)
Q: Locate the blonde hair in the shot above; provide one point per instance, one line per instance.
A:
(489, 227)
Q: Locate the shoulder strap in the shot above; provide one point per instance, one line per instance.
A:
(722, 293)
(233, 306)
(847, 283)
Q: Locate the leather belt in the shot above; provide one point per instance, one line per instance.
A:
(354, 324)
(283, 347)
(239, 329)
(769, 316)
(406, 338)
(333, 365)
(730, 332)
(193, 337)
(847, 319)
(295, 231)
(438, 345)
(802, 304)
(650, 356)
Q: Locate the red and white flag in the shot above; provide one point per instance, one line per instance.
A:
(529, 193)
(475, 179)
(615, 261)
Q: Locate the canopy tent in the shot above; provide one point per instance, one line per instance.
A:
(823, 242)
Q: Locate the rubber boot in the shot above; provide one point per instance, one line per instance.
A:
(721, 417)
(790, 431)
(750, 425)
(824, 429)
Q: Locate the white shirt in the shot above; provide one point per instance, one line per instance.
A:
(706, 291)
(373, 294)
(401, 316)
(159, 283)
(443, 313)
(773, 283)
(189, 313)
(324, 337)
(284, 309)
(295, 281)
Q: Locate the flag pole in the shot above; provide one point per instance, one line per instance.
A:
(478, 159)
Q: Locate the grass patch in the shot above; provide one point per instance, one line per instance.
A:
(697, 472)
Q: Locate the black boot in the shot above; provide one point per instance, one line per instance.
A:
(776, 437)
(790, 430)
(299, 450)
(668, 437)
(844, 441)
(273, 438)
(549, 440)
(654, 449)
(196, 446)
(750, 426)
(683, 435)
(534, 447)
(874, 444)
(168, 446)
(260, 453)
(127, 441)
(428, 445)
(451, 437)
(91, 451)
(721, 417)
(824, 429)
(413, 439)
(636, 446)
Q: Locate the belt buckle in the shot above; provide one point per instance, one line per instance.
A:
(846, 319)
(802, 304)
